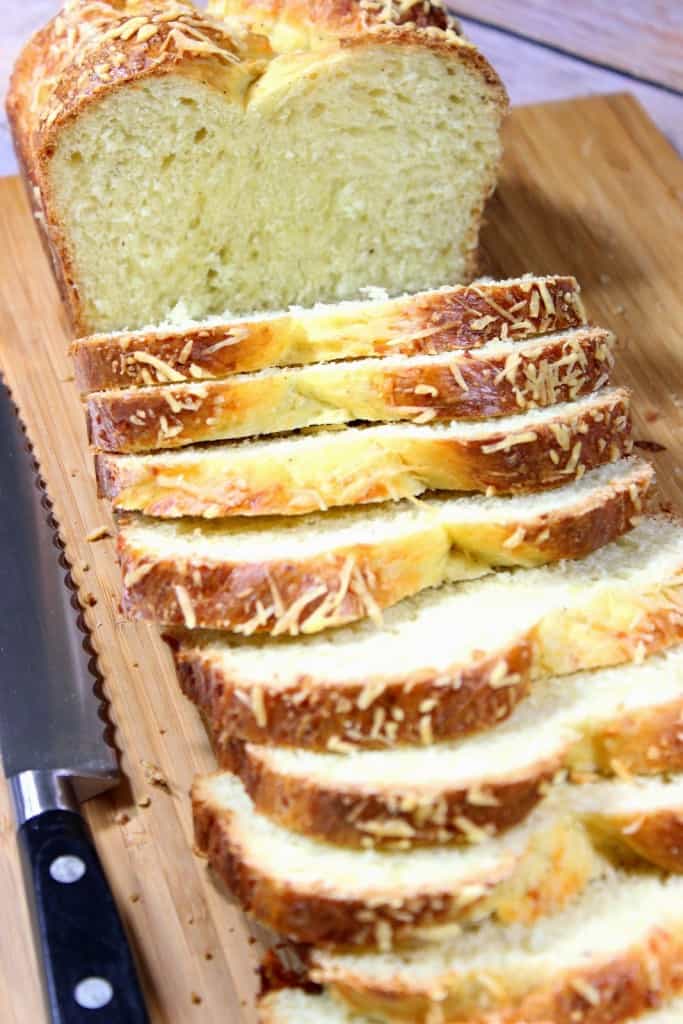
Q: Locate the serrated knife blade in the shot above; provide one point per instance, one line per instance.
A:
(55, 753)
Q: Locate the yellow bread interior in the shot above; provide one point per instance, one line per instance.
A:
(254, 187)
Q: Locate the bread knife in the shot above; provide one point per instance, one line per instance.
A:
(55, 753)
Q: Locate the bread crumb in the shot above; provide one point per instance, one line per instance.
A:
(135, 897)
(144, 801)
(99, 533)
(121, 818)
(196, 998)
(154, 775)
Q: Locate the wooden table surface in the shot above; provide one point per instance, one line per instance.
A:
(543, 50)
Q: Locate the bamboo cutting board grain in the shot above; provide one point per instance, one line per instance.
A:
(589, 187)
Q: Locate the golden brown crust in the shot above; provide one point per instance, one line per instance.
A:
(321, 717)
(327, 715)
(646, 742)
(294, 594)
(539, 878)
(614, 990)
(655, 836)
(353, 468)
(428, 323)
(434, 389)
(323, 18)
(387, 817)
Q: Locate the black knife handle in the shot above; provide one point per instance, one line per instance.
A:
(88, 971)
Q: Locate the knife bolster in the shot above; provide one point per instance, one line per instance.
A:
(34, 792)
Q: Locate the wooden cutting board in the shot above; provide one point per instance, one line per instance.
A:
(589, 187)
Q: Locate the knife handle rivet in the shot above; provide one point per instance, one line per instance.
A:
(93, 993)
(67, 869)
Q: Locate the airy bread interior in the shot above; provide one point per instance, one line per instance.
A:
(255, 187)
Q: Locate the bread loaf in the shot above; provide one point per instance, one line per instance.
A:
(180, 166)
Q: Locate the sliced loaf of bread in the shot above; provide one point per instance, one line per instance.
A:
(500, 379)
(611, 955)
(610, 722)
(447, 662)
(319, 893)
(427, 323)
(308, 573)
(357, 465)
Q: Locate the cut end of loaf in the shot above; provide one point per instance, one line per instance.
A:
(401, 127)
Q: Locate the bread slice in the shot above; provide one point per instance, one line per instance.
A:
(298, 1006)
(319, 893)
(308, 573)
(428, 323)
(612, 722)
(236, 178)
(357, 465)
(500, 379)
(609, 956)
(447, 662)
(301, 1006)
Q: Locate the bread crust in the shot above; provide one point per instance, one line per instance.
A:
(355, 468)
(320, 714)
(294, 594)
(656, 837)
(555, 865)
(627, 984)
(389, 816)
(425, 389)
(428, 323)
(315, 21)
(90, 49)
